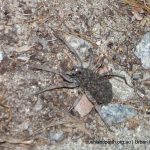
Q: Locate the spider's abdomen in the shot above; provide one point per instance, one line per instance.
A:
(99, 87)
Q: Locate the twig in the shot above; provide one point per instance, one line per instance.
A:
(13, 140)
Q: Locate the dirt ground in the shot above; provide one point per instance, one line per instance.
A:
(43, 122)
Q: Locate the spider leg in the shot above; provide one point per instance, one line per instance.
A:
(106, 124)
(62, 74)
(99, 63)
(91, 57)
(71, 49)
(112, 74)
(87, 93)
(57, 86)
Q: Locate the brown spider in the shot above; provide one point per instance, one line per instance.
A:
(96, 86)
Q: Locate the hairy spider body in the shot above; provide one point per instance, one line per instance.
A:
(96, 85)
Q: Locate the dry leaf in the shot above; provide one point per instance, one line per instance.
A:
(84, 106)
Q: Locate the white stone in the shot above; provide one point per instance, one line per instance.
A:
(142, 51)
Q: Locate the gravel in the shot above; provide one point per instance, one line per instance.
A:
(26, 39)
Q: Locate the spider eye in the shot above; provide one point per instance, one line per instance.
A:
(76, 70)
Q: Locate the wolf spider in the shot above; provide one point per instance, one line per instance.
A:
(96, 86)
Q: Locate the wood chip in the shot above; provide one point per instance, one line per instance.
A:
(84, 106)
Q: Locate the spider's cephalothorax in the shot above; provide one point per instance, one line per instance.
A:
(98, 86)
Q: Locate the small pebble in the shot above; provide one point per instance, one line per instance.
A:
(38, 106)
(2, 55)
(60, 56)
(116, 113)
(142, 50)
(23, 58)
(137, 76)
(98, 43)
(56, 136)
(2, 27)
